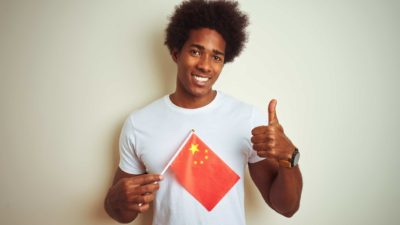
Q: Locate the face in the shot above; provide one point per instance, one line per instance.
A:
(199, 62)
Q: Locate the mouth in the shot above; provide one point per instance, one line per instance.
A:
(200, 79)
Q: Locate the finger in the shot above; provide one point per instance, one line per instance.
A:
(148, 188)
(262, 138)
(260, 147)
(256, 139)
(267, 146)
(142, 207)
(258, 130)
(272, 118)
(141, 199)
(266, 154)
(146, 179)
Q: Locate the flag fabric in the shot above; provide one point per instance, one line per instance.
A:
(202, 173)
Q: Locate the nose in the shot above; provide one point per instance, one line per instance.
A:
(204, 64)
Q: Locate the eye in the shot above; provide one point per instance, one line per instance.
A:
(218, 58)
(194, 52)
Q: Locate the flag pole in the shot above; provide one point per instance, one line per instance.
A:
(177, 152)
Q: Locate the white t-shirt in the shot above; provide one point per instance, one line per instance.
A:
(152, 135)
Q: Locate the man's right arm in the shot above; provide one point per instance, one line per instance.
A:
(130, 195)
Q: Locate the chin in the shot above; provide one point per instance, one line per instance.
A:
(201, 93)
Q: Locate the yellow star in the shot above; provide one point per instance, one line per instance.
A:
(194, 148)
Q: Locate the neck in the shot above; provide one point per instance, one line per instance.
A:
(192, 102)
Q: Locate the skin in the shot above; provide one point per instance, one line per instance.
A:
(199, 63)
(201, 56)
(130, 195)
(279, 184)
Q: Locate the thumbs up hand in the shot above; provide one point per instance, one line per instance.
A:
(270, 141)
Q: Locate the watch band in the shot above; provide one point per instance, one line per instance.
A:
(292, 162)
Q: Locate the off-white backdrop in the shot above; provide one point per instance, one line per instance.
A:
(72, 71)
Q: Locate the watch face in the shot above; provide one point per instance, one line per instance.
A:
(295, 159)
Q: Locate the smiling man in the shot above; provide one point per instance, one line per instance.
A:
(199, 62)
(202, 37)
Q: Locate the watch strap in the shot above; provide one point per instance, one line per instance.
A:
(290, 163)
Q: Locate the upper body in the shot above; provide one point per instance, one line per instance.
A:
(200, 59)
(152, 135)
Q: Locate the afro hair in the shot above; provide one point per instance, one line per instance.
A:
(222, 16)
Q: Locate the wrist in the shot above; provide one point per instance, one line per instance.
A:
(292, 161)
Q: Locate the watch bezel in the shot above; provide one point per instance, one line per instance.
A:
(295, 158)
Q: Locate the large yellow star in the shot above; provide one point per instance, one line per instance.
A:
(194, 148)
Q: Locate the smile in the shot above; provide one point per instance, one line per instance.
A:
(200, 79)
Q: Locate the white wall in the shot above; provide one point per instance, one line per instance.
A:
(71, 71)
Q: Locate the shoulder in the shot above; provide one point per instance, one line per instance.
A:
(149, 110)
(146, 114)
(230, 101)
(236, 106)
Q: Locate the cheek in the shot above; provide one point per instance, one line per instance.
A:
(185, 65)
(218, 69)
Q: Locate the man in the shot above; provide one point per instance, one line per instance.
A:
(202, 36)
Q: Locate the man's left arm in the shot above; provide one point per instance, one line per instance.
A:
(279, 182)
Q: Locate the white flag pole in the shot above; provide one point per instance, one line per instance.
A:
(176, 153)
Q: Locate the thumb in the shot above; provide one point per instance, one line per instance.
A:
(272, 118)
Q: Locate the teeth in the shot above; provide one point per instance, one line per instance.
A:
(201, 79)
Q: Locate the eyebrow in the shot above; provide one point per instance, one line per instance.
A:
(202, 48)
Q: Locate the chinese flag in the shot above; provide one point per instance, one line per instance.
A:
(202, 173)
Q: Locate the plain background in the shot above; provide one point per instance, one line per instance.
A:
(72, 71)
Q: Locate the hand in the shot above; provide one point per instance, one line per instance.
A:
(134, 193)
(270, 141)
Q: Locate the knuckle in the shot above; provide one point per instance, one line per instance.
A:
(125, 186)
(148, 179)
(148, 198)
(258, 130)
(271, 144)
(146, 189)
(257, 147)
(271, 136)
(143, 208)
(139, 199)
(272, 129)
(125, 196)
(261, 153)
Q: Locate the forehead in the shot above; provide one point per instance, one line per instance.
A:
(207, 38)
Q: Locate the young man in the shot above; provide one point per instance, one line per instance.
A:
(202, 36)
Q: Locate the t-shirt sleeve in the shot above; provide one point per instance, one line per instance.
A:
(257, 119)
(129, 160)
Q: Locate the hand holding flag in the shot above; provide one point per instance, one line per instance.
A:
(133, 192)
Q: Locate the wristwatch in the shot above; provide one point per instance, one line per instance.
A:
(293, 161)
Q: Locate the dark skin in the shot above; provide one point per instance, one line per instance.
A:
(199, 63)
(130, 195)
(279, 184)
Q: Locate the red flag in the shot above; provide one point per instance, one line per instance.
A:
(202, 173)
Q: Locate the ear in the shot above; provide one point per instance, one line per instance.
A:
(174, 54)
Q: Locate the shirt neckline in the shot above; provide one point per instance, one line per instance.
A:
(207, 107)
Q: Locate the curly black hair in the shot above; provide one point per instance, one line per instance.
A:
(221, 15)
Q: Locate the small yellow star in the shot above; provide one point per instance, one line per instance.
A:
(194, 148)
